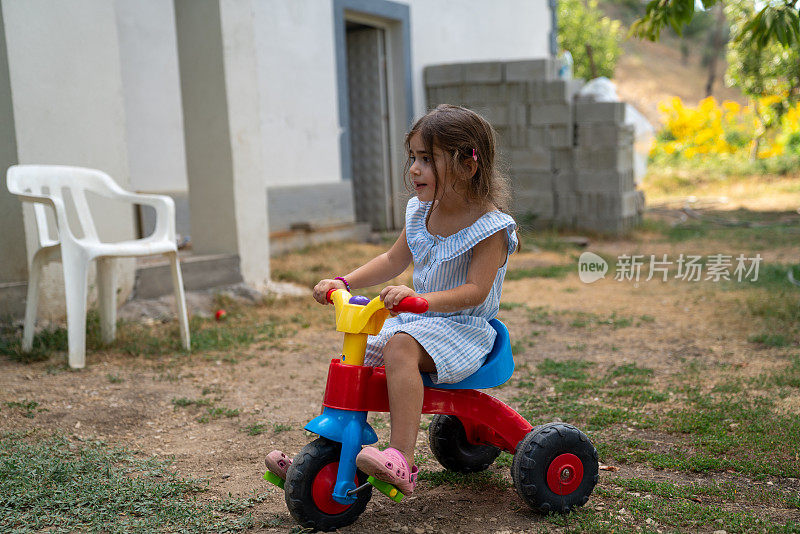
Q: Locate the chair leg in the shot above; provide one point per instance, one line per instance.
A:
(107, 298)
(180, 300)
(32, 300)
(75, 285)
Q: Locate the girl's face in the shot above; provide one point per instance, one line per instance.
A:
(421, 171)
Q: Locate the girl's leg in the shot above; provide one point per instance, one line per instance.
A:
(404, 358)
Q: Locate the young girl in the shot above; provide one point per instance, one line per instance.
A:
(459, 237)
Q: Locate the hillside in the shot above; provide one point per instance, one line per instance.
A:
(648, 73)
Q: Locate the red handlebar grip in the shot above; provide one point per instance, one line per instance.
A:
(328, 296)
(412, 305)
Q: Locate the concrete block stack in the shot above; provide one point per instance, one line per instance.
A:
(570, 162)
(607, 196)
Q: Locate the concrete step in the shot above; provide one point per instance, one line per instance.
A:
(154, 278)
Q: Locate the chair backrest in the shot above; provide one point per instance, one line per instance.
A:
(496, 369)
(69, 184)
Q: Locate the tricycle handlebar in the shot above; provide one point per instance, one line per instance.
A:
(408, 304)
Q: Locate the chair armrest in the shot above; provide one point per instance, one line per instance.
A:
(165, 211)
(58, 207)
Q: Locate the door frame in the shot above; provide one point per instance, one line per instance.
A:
(395, 20)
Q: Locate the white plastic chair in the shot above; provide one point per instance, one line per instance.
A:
(47, 184)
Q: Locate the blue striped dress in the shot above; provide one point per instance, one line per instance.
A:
(458, 342)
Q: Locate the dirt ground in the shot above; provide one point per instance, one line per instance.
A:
(128, 400)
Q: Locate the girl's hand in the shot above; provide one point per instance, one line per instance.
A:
(322, 288)
(392, 295)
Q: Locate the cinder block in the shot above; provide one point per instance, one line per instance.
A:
(450, 94)
(604, 134)
(604, 181)
(437, 75)
(531, 69)
(538, 136)
(564, 181)
(600, 112)
(503, 140)
(550, 114)
(475, 93)
(559, 136)
(517, 119)
(536, 204)
(556, 92)
(536, 91)
(608, 212)
(563, 158)
(619, 159)
(565, 210)
(530, 159)
(574, 87)
(533, 181)
(495, 114)
(630, 202)
(552, 136)
(487, 72)
(516, 91)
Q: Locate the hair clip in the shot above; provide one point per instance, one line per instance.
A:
(474, 155)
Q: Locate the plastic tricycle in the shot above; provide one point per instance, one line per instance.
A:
(554, 468)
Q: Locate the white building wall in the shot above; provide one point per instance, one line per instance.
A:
(297, 88)
(64, 71)
(455, 31)
(151, 87)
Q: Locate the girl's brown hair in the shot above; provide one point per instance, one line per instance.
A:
(457, 131)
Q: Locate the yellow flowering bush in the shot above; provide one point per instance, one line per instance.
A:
(727, 131)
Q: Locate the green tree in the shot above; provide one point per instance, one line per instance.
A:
(759, 71)
(778, 21)
(592, 38)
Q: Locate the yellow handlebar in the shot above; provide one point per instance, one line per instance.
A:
(357, 322)
(355, 318)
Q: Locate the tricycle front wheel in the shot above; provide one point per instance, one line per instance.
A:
(555, 468)
(309, 488)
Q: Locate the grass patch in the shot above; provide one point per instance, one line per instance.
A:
(55, 484)
(255, 429)
(475, 481)
(770, 340)
(570, 369)
(140, 339)
(29, 408)
(626, 511)
(543, 271)
(218, 412)
(281, 427)
(183, 402)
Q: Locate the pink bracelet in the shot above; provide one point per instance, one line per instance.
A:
(346, 283)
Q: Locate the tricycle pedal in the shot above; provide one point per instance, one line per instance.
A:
(269, 476)
(387, 489)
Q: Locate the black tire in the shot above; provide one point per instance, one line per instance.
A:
(448, 441)
(533, 458)
(300, 477)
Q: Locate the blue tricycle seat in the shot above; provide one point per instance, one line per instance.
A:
(496, 370)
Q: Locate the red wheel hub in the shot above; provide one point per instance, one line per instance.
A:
(322, 490)
(564, 474)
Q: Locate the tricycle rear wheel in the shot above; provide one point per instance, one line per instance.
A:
(555, 468)
(449, 444)
(309, 488)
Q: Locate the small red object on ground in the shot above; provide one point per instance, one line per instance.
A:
(220, 315)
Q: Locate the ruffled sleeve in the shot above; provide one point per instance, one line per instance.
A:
(419, 241)
(488, 225)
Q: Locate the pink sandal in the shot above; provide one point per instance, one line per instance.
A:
(390, 466)
(278, 463)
